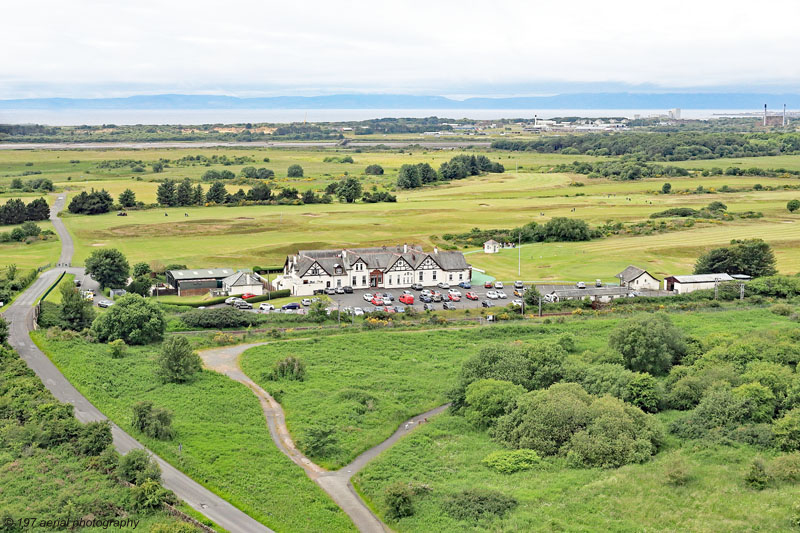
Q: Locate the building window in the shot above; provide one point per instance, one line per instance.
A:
(434, 275)
(354, 280)
(460, 276)
(451, 277)
(363, 280)
(420, 276)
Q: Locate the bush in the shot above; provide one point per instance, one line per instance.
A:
(294, 171)
(489, 399)
(151, 495)
(155, 422)
(676, 471)
(290, 368)
(319, 441)
(785, 468)
(117, 348)
(132, 319)
(177, 362)
(398, 500)
(756, 476)
(220, 317)
(474, 504)
(510, 461)
(787, 431)
(781, 309)
(94, 438)
(642, 392)
(649, 343)
(137, 467)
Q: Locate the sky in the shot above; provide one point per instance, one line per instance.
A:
(93, 48)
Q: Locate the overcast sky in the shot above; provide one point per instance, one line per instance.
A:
(89, 48)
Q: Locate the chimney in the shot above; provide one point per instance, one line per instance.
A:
(435, 250)
(405, 248)
(344, 254)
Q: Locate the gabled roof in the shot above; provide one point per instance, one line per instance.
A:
(702, 278)
(377, 258)
(491, 241)
(631, 273)
(241, 279)
(201, 273)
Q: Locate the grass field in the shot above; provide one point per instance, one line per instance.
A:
(365, 384)
(220, 425)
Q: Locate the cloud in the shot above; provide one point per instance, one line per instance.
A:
(247, 47)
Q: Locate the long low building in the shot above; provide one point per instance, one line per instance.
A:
(309, 271)
(696, 282)
(560, 293)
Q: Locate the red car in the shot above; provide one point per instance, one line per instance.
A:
(454, 297)
(247, 295)
(407, 299)
(488, 285)
(471, 296)
(377, 300)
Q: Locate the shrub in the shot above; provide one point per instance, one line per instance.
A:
(117, 348)
(294, 171)
(676, 471)
(137, 467)
(219, 317)
(474, 504)
(319, 441)
(154, 422)
(785, 468)
(781, 309)
(94, 438)
(177, 362)
(132, 319)
(151, 495)
(510, 461)
(787, 431)
(398, 500)
(290, 368)
(567, 342)
(649, 343)
(374, 170)
(489, 399)
(642, 392)
(756, 476)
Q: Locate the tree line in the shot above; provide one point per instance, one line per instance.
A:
(459, 167)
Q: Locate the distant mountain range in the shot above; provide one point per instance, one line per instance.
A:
(737, 101)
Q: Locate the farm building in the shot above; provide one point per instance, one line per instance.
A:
(200, 281)
(559, 293)
(242, 283)
(360, 268)
(638, 279)
(491, 246)
(686, 284)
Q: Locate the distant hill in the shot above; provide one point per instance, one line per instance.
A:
(743, 101)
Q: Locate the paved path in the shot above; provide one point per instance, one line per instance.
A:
(336, 483)
(20, 316)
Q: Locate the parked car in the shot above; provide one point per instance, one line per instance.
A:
(519, 285)
(339, 290)
(437, 296)
(105, 303)
(77, 283)
(425, 298)
(417, 286)
(581, 285)
(348, 289)
(519, 292)
(388, 296)
(465, 285)
(231, 299)
(488, 285)
(427, 307)
(399, 309)
(407, 299)
(367, 297)
(318, 291)
(306, 302)
(454, 297)
(516, 303)
(88, 295)
(498, 284)
(598, 283)
(241, 304)
(487, 303)
(330, 291)
(448, 306)
(502, 294)
(377, 300)
(491, 294)
(472, 296)
(357, 311)
(454, 292)
(247, 296)
(291, 306)
(443, 285)
(408, 292)
(266, 307)
(389, 309)
(426, 292)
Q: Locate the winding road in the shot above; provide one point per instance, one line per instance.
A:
(20, 316)
(336, 483)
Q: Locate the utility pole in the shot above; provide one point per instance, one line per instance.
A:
(741, 291)
(540, 305)
(716, 287)
(519, 253)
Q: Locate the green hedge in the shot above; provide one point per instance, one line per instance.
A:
(268, 269)
(263, 298)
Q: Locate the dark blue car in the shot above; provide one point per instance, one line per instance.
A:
(293, 305)
(426, 299)
(465, 285)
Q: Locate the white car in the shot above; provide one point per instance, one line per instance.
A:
(454, 292)
(426, 292)
(498, 284)
(492, 295)
(231, 300)
(357, 311)
(501, 294)
(306, 301)
(367, 297)
(266, 307)
(516, 303)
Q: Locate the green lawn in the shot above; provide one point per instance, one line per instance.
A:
(220, 425)
(364, 384)
(32, 255)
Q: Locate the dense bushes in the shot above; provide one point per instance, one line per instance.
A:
(219, 317)
(752, 257)
(91, 203)
(649, 343)
(475, 504)
(153, 421)
(15, 211)
(558, 229)
(289, 368)
(132, 319)
(459, 167)
(623, 170)
(510, 461)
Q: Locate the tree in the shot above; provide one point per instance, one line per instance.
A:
(76, 311)
(216, 193)
(374, 170)
(38, 210)
(349, 190)
(127, 198)
(198, 196)
(260, 192)
(13, 212)
(793, 205)
(489, 399)
(165, 194)
(294, 171)
(94, 438)
(427, 174)
(319, 441)
(137, 467)
(787, 431)
(752, 257)
(183, 194)
(408, 177)
(3, 330)
(140, 285)
(92, 203)
(133, 319)
(666, 188)
(109, 267)
(177, 362)
(642, 392)
(153, 421)
(649, 343)
(158, 166)
(141, 269)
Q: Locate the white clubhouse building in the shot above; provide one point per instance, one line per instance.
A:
(362, 268)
